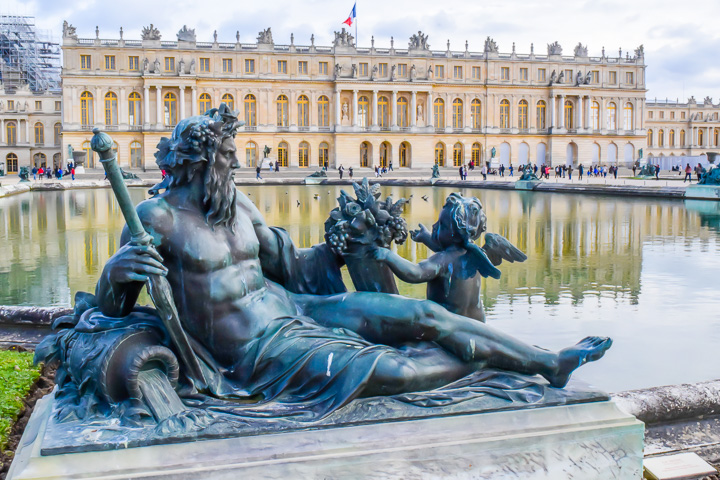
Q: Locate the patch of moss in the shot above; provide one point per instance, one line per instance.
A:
(17, 375)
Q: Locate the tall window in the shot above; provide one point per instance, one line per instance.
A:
(323, 111)
(323, 154)
(303, 154)
(523, 114)
(363, 111)
(302, 67)
(249, 65)
(661, 138)
(650, 137)
(541, 115)
(39, 134)
(250, 110)
(204, 65)
(458, 73)
(57, 132)
(134, 109)
(404, 153)
(136, 154)
(204, 103)
(384, 154)
(457, 154)
(476, 73)
(383, 114)
(382, 70)
(11, 133)
(323, 68)
(504, 73)
(133, 63)
(701, 137)
(440, 154)
(439, 112)
(86, 109)
(303, 112)
(682, 138)
(251, 154)
(595, 116)
(505, 114)
(282, 112)
(85, 63)
(524, 74)
(11, 161)
(283, 154)
(611, 116)
(89, 155)
(629, 116)
(282, 67)
(457, 113)
(169, 64)
(227, 65)
(402, 112)
(475, 114)
(671, 138)
(475, 152)
(363, 70)
(569, 117)
(229, 100)
(364, 155)
(111, 109)
(170, 108)
(109, 62)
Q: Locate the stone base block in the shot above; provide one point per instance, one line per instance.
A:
(527, 184)
(592, 441)
(706, 192)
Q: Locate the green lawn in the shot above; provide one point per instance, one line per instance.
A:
(17, 375)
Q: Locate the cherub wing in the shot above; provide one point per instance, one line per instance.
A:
(499, 248)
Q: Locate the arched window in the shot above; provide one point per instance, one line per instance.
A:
(282, 113)
(629, 116)
(365, 154)
(439, 112)
(303, 154)
(89, 155)
(682, 138)
(39, 134)
(611, 116)
(204, 103)
(170, 108)
(440, 154)
(323, 154)
(404, 154)
(568, 112)
(39, 159)
(250, 110)
(701, 137)
(402, 111)
(136, 154)
(229, 100)
(111, 109)
(303, 112)
(475, 153)
(457, 154)
(283, 154)
(383, 114)
(523, 114)
(86, 109)
(541, 115)
(251, 154)
(11, 133)
(57, 133)
(716, 140)
(505, 114)
(323, 111)
(475, 113)
(650, 137)
(11, 162)
(457, 113)
(595, 116)
(671, 138)
(363, 111)
(134, 109)
(661, 138)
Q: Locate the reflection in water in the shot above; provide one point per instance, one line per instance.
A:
(634, 269)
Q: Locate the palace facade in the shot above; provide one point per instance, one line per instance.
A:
(682, 129)
(358, 107)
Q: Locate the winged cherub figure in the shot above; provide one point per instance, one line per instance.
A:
(454, 273)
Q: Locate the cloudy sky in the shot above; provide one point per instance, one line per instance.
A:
(682, 39)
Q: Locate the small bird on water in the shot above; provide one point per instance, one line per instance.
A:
(425, 197)
(298, 203)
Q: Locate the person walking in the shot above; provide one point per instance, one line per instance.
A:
(698, 171)
(484, 171)
(461, 173)
(34, 172)
(615, 170)
(350, 171)
(502, 170)
(72, 172)
(390, 169)
(257, 172)
(340, 171)
(569, 172)
(580, 171)
(41, 172)
(688, 174)
(511, 170)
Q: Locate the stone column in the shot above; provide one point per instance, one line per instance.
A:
(707, 137)
(375, 110)
(2, 130)
(413, 108)
(581, 108)
(27, 132)
(355, 108)
(146, 105)
(193, 100)
(338, 110)
(429, 112)
(448, 111)
(159, 107)
(182, 102)
(122, 107)
(551, 111)
(467, 120)
(393, 122)
(561, 114)
(99, 104)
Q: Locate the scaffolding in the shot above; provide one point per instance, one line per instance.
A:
(28, 56)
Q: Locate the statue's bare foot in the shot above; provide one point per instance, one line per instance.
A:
(587, 350)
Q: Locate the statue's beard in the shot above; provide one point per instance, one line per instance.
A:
(219, 198)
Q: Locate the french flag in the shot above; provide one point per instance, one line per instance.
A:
(351, 18)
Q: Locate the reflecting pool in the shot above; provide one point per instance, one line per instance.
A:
(642, 271)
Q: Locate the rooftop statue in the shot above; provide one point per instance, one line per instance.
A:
(640, 52)
(554, 48)
(186, 34)
(419, 41)
(69, 31)
(581, 50)
(343, 38)
(150, 33)
(490, 46)
(244, 322)
(265, 37)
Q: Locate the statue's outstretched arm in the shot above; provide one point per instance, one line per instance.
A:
(424, 236)
(406, 270)
(499, 248)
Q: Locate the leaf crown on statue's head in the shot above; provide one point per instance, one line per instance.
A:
(461, 220)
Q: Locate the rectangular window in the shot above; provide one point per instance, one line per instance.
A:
(363, 69)
(629, 78)
(57, 106)
(457, 73)
(282, 66)
(11, 104)
(476, 73)
(682, 115)
(595, 76)
(402, 70)
(542, 75)
(133, 63)
(672, 115)
(169, 64)
(651, 114)
(204, 65)
(568, 76)
(38, 105)
(227, 65)
(302, 68)
(249, 65)
(109, 62)
(524, 74)
(504, 73)
(382, 70)
(323, 68)
(85, 63)
(440, 71)
(612, 80)
(662, 114)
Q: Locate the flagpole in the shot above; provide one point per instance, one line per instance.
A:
(357, 42)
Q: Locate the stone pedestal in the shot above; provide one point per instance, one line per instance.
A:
(705, 192)
(592, 441)
(527, 184)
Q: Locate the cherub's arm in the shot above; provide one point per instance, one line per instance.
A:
(423, 235)
(407, 271)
